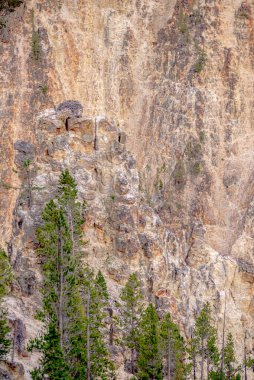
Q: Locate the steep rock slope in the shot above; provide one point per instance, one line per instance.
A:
(177, 78)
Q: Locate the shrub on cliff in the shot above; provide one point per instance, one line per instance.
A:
(5, 280)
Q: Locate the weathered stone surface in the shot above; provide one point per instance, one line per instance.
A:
(27, 282)
(73, 106)
(4, 375)
(25, 151)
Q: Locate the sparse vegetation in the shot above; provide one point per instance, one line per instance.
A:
(36, 47)
(26, 166)
(178, 206)
(2, 23)
(36, 44)
(44, 89)
(197, 17)
(76, 304)
(196, 169)
(193, 150)
(159, 182)
(202, 137)
(5, 281)
(183, 27)
(179, 173)
(200, 63)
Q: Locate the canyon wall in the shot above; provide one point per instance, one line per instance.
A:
(162, 151)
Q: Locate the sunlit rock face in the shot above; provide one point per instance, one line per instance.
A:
(149, 103)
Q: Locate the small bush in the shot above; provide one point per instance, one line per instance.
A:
(183, 27)
(196, 169)
(36, 46)
(200, 63)
(202, 136)
(193, 150)
(179, 174)
(44, 88)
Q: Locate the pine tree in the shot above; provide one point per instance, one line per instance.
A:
(204, 340)
(231, 370)
(149, 363)
(230, 366)
(73, 300)
(95, 295)
(5, 274)
(5, 341)
(67, 197)
(173, 349)
(192, 350)
(5, 281)
(60, 291)
(52, 362)
(55, 248)
(131, 310)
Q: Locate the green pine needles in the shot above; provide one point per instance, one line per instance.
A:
(149, 363)
(79, 321)
(5, 282)
(131, 310)
(72, 344)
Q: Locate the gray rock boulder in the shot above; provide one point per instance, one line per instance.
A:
(24, 151)
(73, 106)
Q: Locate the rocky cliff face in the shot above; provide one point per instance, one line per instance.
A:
(167, 173)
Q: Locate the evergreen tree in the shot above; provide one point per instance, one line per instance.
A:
(52, 362)
(102, 292)
(231, 369)
(173, 349)
(61, 303)
(5, 341)
(131, 309)
(5, 281)
(73, 300)
(192, 350)
(53, 237)
(204, 340)
(5, 274)
(94, 296)
(55, 248)
(67, 197)
(149, 363)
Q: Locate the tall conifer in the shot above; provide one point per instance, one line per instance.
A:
(131, 310)
(173, 349)
(94, 296)
(5, 281)
(149, 363)
(204, 340)
(73, 300)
